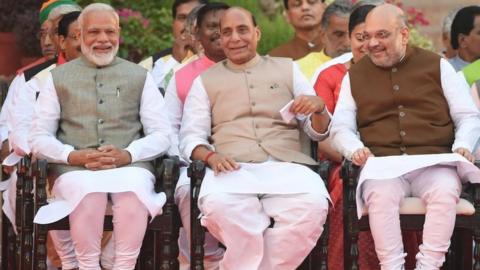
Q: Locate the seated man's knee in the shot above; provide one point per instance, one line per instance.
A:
(215, 204)
(129, 205)
(383, 192)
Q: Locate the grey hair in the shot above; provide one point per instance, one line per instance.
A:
(341, 8)
(62, 10)
(368, 2)
(97, 7)
(191, 19)
(448, 20)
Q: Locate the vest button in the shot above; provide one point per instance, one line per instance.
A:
(402, 133)
(248, 72)
(100, 84)
(402, 114)
(100, 101)
(396, 87)
(400, 107)
(403, 148)
(394, 69)
(101, 141)
(100, 121)
(251, 86)
(253, 103)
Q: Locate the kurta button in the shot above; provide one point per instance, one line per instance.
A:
(396, 87)
(394, 69)
(402, 114)
(100, 121)
(402, 133)
(253, 103)
(248, 72)
(251, 86)
(403, 148)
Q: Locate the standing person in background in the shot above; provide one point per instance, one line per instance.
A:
(305, 17)
(449, 51)
(162, 63)
(334, 35)
(465, 37)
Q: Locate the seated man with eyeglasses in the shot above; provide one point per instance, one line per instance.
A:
(407, 107)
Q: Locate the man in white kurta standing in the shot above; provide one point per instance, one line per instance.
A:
(99, 120)
(254, 160)
(406, 102)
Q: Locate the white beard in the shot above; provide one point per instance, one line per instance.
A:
(99, 59)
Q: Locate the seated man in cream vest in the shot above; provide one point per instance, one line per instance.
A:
(100, 120)
(411, 111)
(255, 163)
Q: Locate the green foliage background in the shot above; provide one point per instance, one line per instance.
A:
(139, 42)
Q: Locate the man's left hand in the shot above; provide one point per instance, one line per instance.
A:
(307, 104)
(465, 153)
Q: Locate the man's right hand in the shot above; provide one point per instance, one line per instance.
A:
(360, 156)
(95, 159)
(221, 163)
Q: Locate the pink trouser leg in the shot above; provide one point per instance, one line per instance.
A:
(86, 227)
(130, 217)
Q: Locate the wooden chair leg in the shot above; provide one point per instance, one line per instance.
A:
(8, 245)
(349, 177)
(476, 249)
(27, 218)
(40, 233)
(21, 172)
(169, 234)
(196, 172)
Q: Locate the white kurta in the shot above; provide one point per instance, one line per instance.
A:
(161, 68)
(464, 114)
(271, 177)
(6, 117)
(71, 187)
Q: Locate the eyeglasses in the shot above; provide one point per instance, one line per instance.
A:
(380, 35)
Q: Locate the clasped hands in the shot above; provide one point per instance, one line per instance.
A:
(360, 156)
(103, 158)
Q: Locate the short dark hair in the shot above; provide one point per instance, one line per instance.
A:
(339, 8)
(358, 16)
(181, 2)
(285, 3)
(65, 22)
(215, 6)
(463, 23)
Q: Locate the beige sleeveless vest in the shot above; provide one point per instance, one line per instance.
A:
(245, 104)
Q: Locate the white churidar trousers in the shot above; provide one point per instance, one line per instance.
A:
(237, 208)
(439, 188)
(130, 217)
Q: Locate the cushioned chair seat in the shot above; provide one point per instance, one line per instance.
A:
(415, 206)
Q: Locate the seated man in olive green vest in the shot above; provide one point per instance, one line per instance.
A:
(99, 120)
(255, 163)
(401, 113)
